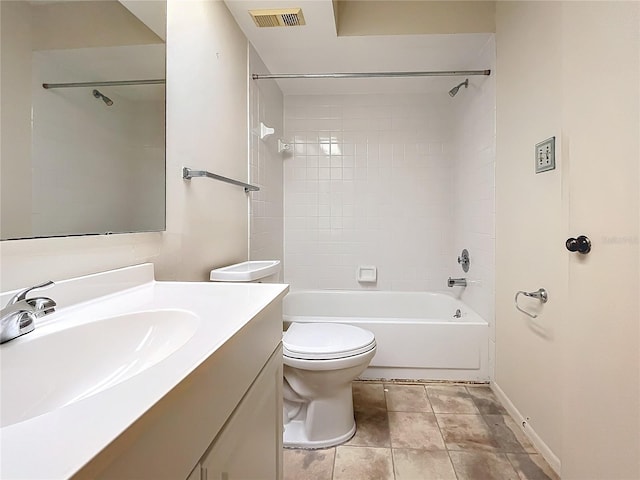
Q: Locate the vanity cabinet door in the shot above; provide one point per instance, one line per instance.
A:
(249, 447)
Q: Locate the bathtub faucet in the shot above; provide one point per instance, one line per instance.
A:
(457, 282)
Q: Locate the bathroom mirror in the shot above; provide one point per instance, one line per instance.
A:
(85, 156)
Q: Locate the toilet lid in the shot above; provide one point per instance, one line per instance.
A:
(325, 341)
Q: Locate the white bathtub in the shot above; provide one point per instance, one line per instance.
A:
(417, 334)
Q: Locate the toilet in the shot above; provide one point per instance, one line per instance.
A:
(321, 360)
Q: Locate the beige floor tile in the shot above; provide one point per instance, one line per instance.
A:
(451, 399)
(486, 401)
(508, 435)
(363, 463)
(466, 432)
(368, 397)
(415, 430)
(482, 466)
(407, 398)
(308, 464)
(372, 429)
(532, 467)
(411, 464)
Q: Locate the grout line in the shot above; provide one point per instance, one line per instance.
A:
(455, 472)
(393, 463)
(446, 447)
(426, 394)
(333, 465)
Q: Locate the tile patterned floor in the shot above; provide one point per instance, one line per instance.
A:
(424, 432)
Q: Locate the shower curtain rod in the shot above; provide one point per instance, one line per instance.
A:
(117, 83)
(451, 73)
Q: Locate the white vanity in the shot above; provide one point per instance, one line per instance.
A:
(133, 378)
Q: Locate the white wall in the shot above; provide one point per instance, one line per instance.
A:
(207, 225)
(368, 183)
(266, 228)
(529, 214)
(206, 128)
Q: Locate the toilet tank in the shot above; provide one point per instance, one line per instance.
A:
(259, 271)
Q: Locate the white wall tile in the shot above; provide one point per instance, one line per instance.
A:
(266, 211)
(474, 190)
(374, 182)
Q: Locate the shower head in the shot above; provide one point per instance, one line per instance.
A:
(455, 89)
(108, 102)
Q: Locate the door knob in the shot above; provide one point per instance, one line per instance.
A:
(582, 244)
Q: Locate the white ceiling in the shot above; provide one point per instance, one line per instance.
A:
(316, 48)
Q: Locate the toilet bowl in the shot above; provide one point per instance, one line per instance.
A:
(321, 360)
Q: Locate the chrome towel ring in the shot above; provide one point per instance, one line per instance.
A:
(541, 294)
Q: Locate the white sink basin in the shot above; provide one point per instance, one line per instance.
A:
(246, 271)
(47, 372)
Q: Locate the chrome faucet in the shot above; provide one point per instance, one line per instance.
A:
(457, 282)
(19, 315)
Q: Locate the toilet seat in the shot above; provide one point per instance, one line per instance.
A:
(320, 362)
(326, 341)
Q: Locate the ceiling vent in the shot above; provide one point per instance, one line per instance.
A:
(282, 17)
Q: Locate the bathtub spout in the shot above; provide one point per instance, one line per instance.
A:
(457, 282)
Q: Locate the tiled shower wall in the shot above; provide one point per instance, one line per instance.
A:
(473, 199)
(369, 182)
(265, 167)
(401, 182)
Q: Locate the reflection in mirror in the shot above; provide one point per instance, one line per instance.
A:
(85, 158)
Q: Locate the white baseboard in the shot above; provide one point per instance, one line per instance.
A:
(551, 458)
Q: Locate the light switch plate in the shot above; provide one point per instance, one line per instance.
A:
(546, 155)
